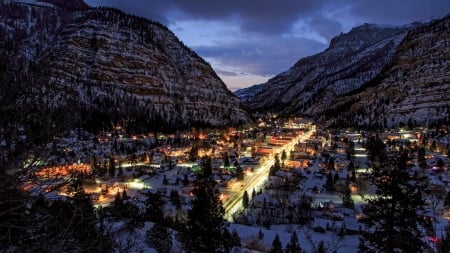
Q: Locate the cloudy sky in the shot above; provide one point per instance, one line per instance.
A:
(249, 41)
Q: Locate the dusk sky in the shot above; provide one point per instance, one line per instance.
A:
(247, 42)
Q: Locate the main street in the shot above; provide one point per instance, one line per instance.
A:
(256, 179)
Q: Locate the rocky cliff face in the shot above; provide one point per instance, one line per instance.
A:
(111, 63)
(401, 67)
(414, 87)
(314, 82)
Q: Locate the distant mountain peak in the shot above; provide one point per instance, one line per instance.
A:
(361, 78)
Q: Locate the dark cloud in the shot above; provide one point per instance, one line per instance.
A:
(226, 73)
(263, 58)
(399, 12)
(262, 17)
(326, 27)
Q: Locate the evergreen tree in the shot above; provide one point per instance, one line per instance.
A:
(329, 184)
(231, 240)
(447, 199)
(260, 234)
(376, 150)
(391, 216)
(335, 178)
(120, 169)
(69, 226)
(253, 193)
(347, 200)
(321, 248)
(276, 165)
(245, 200)
(293, 245)
(304, 209)
(159, 238)
(350, 151)
(205, 219)
(331, 164)
(440, 164)
(283, 156)
(206, 167)
(277, 247)
(421, 158)
(175, 199)
(112, 167)
(239, 173)
(443, 245)
(226, 160)
(185, 180)
(193, 154)
(154, 207)
(352, 169)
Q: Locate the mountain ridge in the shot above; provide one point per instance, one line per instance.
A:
(355, 61)
(106, 61)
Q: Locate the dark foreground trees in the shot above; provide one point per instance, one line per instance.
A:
(390, 217)
(40, 225)
(205, 228)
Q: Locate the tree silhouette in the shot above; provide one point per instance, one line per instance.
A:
(245, 200)
(159, 238)
(293, 245)
(205, 219)
(277, 247)
(154, 207)
(390, 217)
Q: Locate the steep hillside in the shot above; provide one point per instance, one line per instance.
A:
(108, 66)
(314, 83)
(414, 89)
(374, 76)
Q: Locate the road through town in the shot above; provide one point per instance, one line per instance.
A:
(256, 180)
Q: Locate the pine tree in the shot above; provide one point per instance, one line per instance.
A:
(245, 200)
(226, 160)
(391, 216)
(421, 157)
(321, 248)
(239, 173)
(231, 240)
(283, 156)
(443, 245)
(335, 178)
(329, 184)
(154, 207)
(277, 247)
(206, 167)
(276, 165)
(376, 150)
(112, 167)
(293, 245)
(205, 219)
(347, 200)
(159, 238)
(447, 199)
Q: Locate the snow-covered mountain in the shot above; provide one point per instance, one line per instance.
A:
(354, 62)
(105, 61)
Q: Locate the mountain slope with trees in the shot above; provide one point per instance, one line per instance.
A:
(103, 64)
(372, 76)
